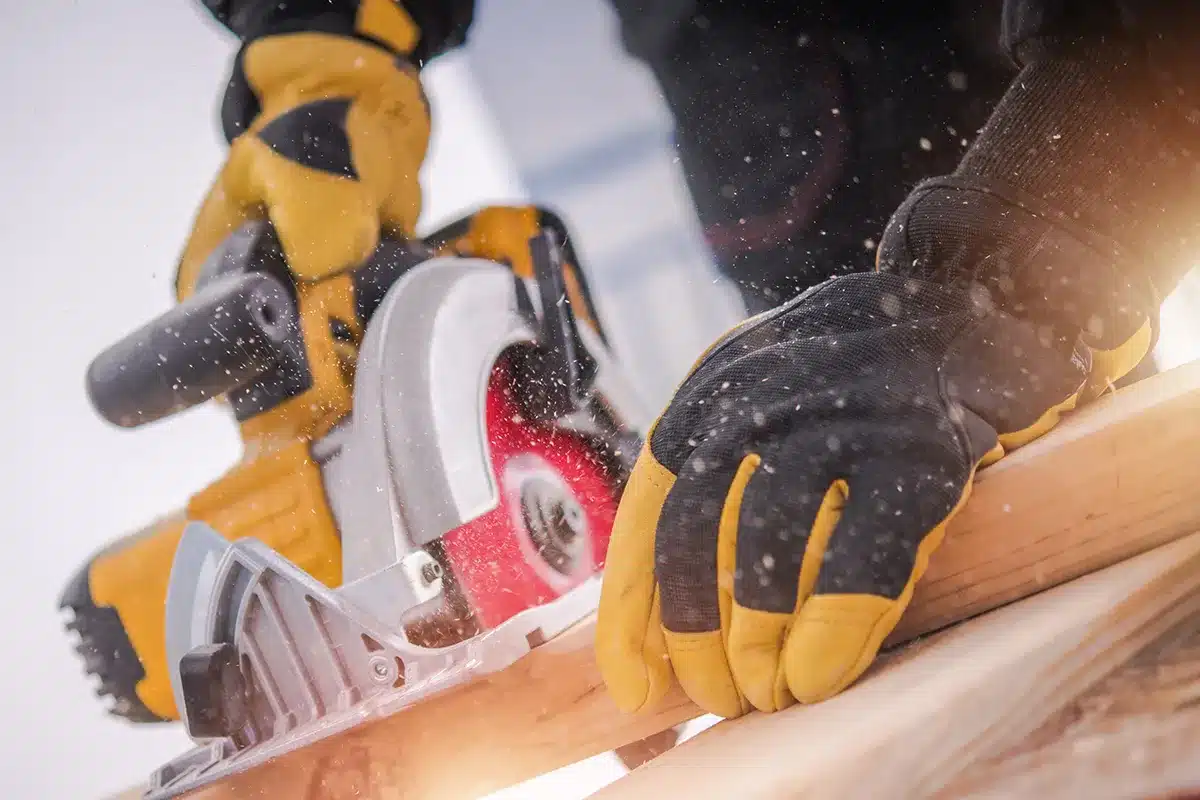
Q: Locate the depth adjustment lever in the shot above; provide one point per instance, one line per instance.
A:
(556, 377)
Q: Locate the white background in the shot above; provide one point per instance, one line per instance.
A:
(109, 139)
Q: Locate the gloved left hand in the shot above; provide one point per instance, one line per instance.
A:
(337, 134)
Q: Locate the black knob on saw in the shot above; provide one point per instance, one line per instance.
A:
(227, 334)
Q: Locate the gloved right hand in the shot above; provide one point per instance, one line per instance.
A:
(791, 495)
(331, 156)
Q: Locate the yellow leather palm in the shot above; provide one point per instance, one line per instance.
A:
(332, 158)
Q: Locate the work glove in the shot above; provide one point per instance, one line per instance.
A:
(796, 486)
(331, 156)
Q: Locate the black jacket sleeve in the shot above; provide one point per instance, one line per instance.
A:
(443, 23)
(1167, 30)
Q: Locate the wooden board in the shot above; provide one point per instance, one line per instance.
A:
(915, 726)
(1136, 733)
(1115, 480)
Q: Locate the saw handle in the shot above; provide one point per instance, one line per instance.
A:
(238, 335)
(556, 377)
(226, 335)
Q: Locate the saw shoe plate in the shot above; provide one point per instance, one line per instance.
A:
(472, 530)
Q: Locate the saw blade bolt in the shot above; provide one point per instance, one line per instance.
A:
(431, 572)
(554, 520)
(382, 670)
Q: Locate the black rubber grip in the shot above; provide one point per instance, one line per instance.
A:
(391, 260)
(224, 336)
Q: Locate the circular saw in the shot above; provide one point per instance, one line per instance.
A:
(469, 484)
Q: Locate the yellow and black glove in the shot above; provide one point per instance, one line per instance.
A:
(335, 129)
(792, 493)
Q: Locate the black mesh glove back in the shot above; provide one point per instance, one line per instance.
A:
(792, 493)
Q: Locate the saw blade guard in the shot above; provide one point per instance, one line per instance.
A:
(473, 523)
(449, 449)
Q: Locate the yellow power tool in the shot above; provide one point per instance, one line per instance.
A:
(434, 446)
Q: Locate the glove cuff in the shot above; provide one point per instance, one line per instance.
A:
(1032, 259)
(1072, 206)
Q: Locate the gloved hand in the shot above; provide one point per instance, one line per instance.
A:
(793, 491)
(331, 156)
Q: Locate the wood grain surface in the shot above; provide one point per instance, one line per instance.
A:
(1135, 733)
(1115, 480)
(936, 720)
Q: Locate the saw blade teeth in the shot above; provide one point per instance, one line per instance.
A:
(86, 648)
(120, 706)
(111, 665)
(83, 645)
(75, 639)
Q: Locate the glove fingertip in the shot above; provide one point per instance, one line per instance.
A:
(631, 651)
(632, 656)
(833, 641)
(755, 641)
(702, 669)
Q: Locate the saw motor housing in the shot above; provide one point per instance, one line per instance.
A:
(440, 435)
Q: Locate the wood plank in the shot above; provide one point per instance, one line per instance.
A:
(1136, 733)
(1114, 480)
(947, 702)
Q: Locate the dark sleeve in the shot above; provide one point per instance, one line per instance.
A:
(1168, 30)
(442, 25)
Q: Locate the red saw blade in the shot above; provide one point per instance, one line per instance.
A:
(549, 532)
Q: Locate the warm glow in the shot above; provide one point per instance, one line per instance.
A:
(1179, 338)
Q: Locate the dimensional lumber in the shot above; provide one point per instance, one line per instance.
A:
(1116, 479)
(915, 725)
(1135, 733)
